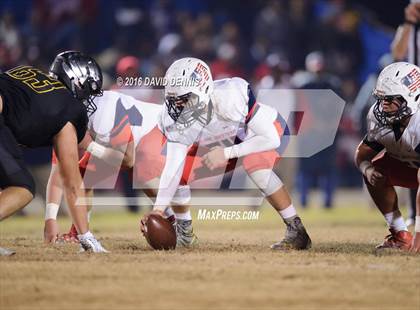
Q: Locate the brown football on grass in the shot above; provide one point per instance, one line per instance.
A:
(160, 233)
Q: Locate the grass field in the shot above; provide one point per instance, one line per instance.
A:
(232, 268)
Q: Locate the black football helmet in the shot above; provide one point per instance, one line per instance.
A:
(80, 74)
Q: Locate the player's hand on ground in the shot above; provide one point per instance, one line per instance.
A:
(412, 13)
(51, 231)
(415, 246)
(146, 216)
(374, 177)
(215, 158)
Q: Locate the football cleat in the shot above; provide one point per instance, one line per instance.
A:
(6, 252)
(396, 240)
(70, 237)
(90, 244)
(296, 237)
(185, 236)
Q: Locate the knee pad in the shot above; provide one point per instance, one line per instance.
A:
(182, 195)
(266, 180)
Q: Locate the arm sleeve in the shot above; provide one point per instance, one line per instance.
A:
(171, 175)
(266, 138)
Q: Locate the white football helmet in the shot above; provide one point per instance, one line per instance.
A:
(398, 82)
(189, 85)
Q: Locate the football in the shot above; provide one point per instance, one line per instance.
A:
(160, 233)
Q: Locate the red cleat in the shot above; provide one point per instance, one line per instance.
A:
(70, 237)
(397, 240)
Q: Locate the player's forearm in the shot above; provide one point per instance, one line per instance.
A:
(363, 157)
(114, 157)
(253, 145)
(266, 138)
(399, 45)
(54, 193)
(65, 146)
(87, 139)
(75, 196)
(129, 156)
(266, 135)
(171, 175)
(166, 192)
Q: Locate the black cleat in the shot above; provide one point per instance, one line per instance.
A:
(296, 237)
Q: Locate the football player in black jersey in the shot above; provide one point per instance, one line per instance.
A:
(37, 109)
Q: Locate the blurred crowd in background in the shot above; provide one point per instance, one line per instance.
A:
(334, 44)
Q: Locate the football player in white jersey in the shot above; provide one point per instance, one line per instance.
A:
(224, 119)
(122, 133)
(389, 155)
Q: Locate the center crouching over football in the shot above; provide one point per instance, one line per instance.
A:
(209, 154)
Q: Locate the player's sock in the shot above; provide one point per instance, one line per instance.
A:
(88, 215)
(296, 236)
(288, 214)
(86, 235)
(395, 221)
(186, 216)
(169, 214)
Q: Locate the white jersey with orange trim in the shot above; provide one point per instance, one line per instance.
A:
(233, 104)
(239, 124)
(403, 146)
(116, 111)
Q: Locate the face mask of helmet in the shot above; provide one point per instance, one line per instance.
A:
(392, 117)
(81, 75)
(186, 109)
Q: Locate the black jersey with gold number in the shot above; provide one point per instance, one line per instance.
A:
(36, 107)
